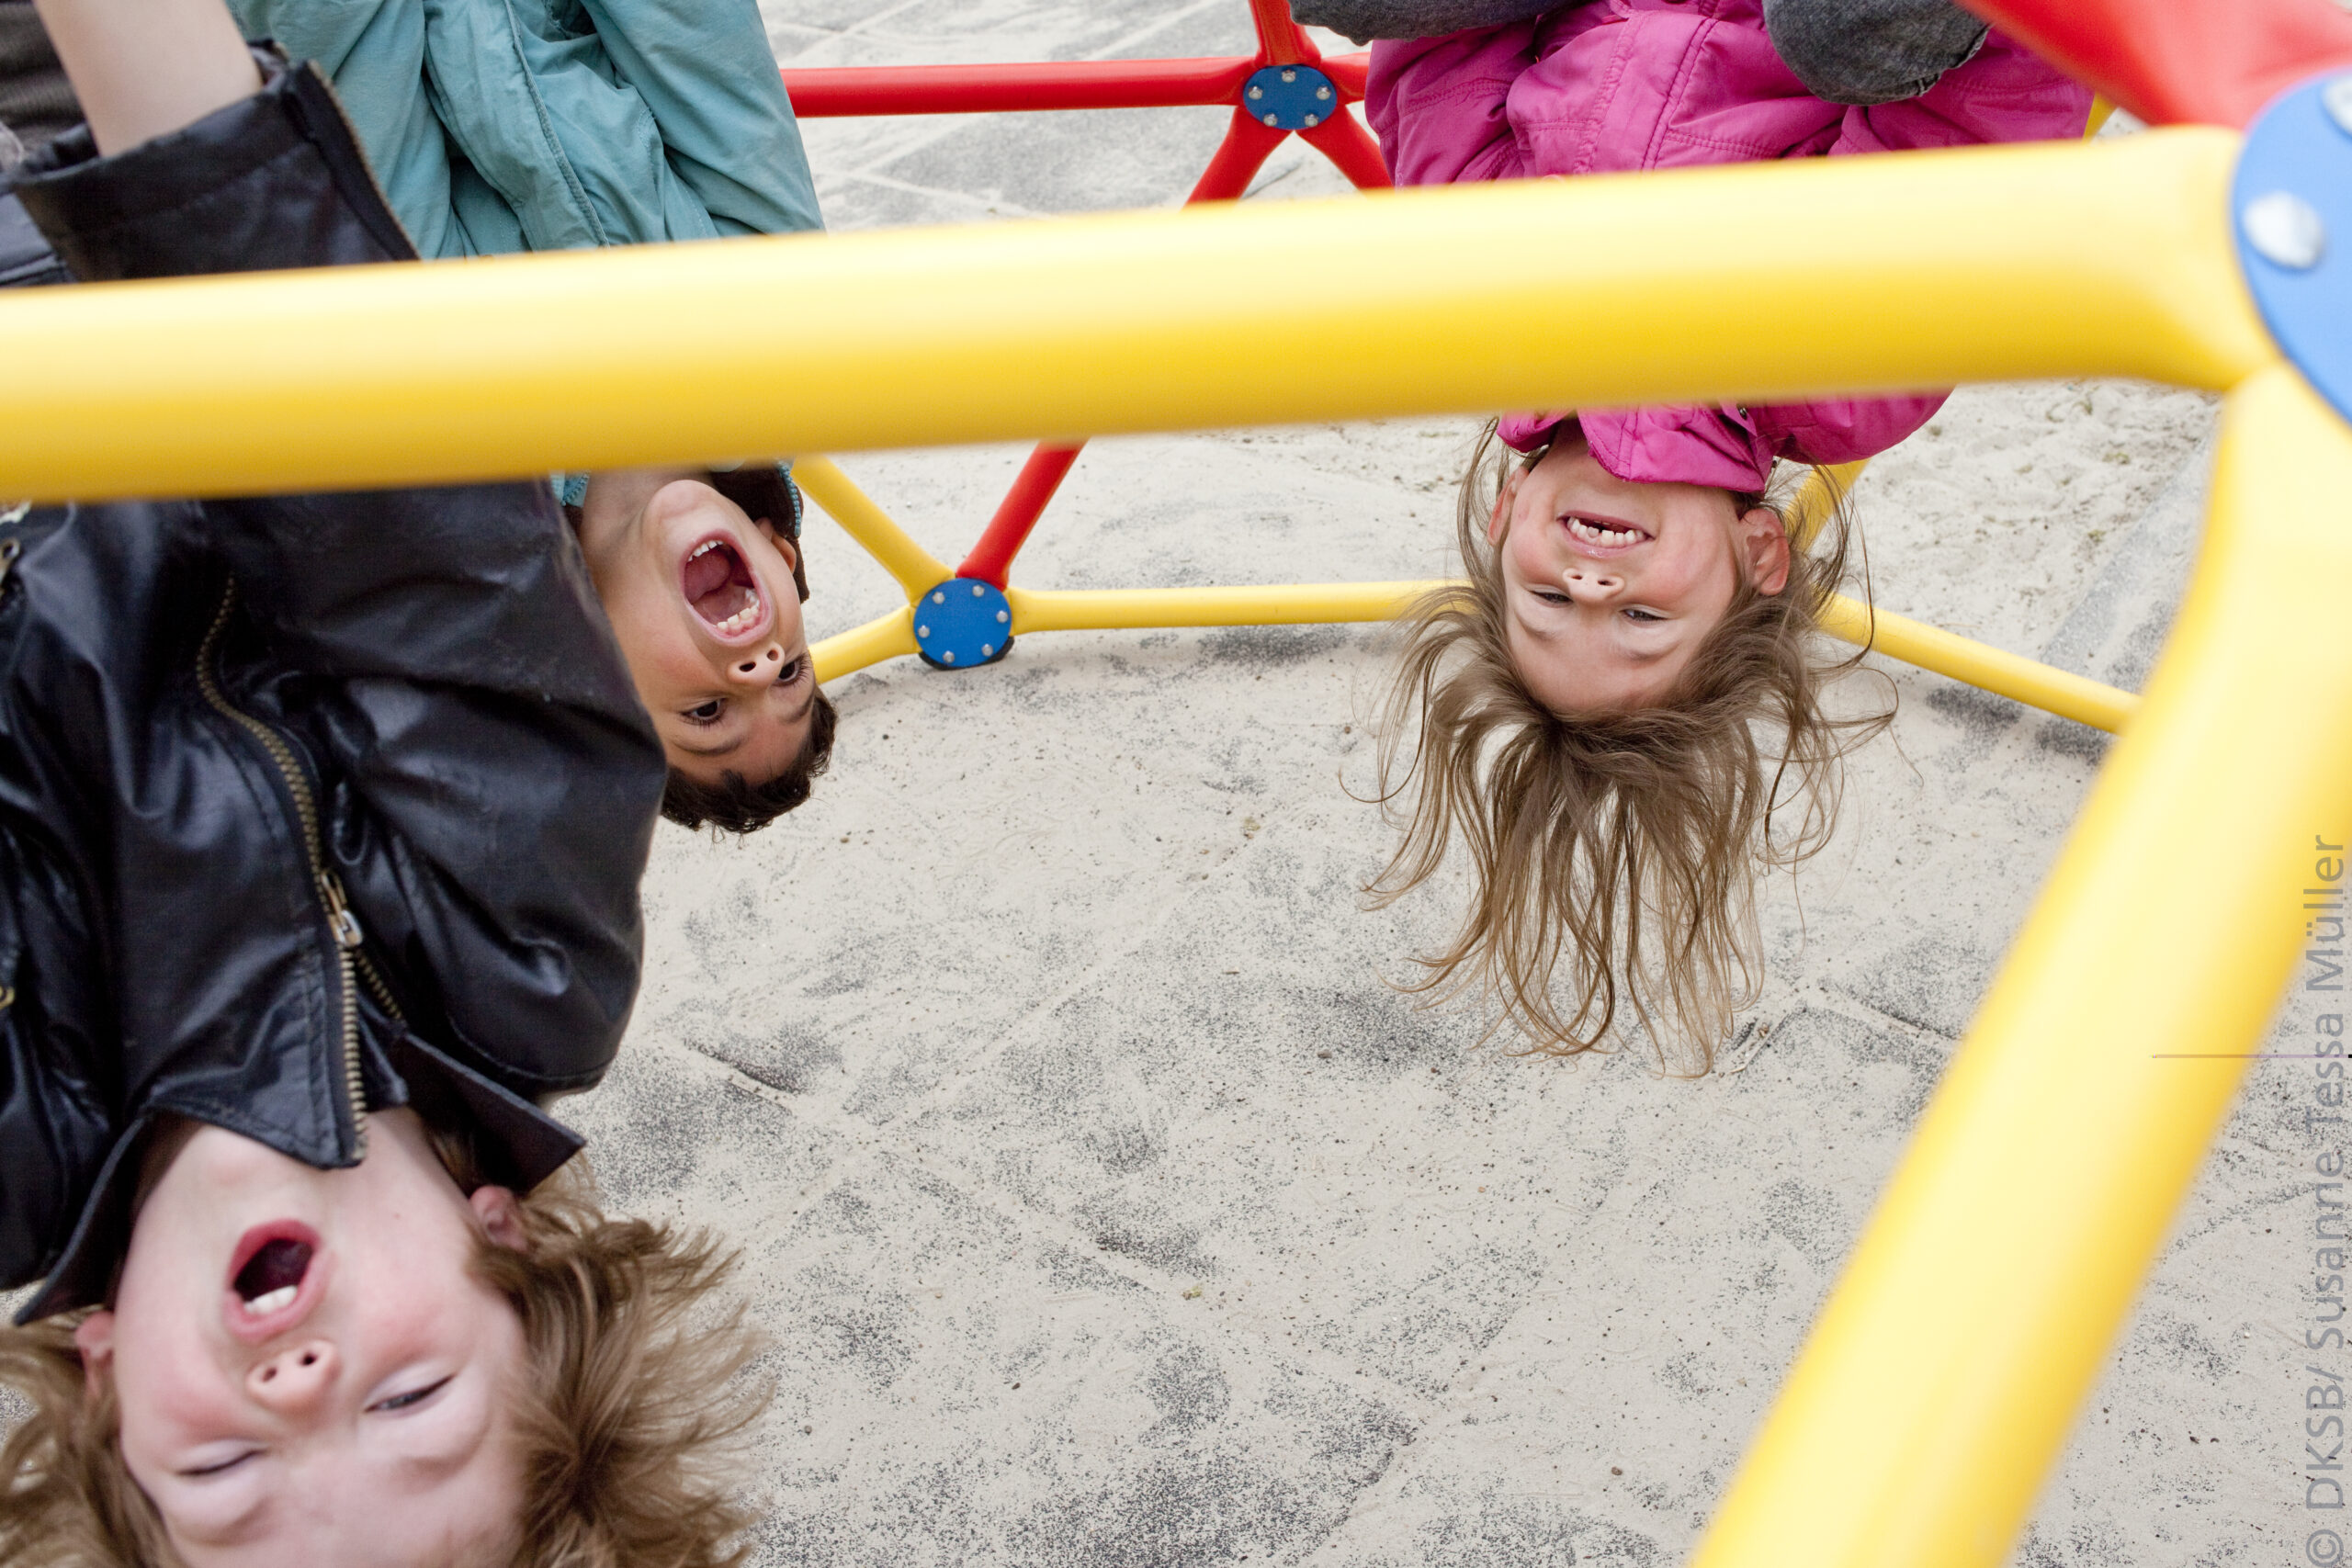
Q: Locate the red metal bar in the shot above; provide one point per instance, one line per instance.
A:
(1244, 151)
(1344, 140)
(1346, 73)
(2201, 62)
(1103, 85)
(1239, 158)
(1045, 84)
(991, 558)
(1281, 40)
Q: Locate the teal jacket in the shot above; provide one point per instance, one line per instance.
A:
(542, 125)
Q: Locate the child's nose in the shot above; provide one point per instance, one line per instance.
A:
(757, 670)
(295, 1379)
(1592, 585)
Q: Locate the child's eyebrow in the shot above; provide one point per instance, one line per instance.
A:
(719, 750)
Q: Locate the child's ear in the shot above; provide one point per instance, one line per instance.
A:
(1764, 549)
(501, 1217)
(777, 538)
(1498, 525)
(94, 1336)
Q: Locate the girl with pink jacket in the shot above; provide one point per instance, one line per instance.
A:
(1586, 710)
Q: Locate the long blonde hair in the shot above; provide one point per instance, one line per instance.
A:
(1613, 856)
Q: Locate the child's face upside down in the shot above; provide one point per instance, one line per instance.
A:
(1610, 586)
(307, 1369)
(702, 601)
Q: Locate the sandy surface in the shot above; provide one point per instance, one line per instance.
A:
(1103, 1202)
(1105, 1205)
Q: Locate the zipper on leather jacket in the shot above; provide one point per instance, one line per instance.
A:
(340, 921)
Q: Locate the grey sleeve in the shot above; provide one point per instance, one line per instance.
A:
(1871, 51)
(1364, 20)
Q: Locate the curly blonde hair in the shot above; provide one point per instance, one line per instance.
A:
(1617, 852)
(629, 1425)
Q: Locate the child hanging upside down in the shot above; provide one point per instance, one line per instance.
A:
(1584, 711)
(505, 125)
(321, 820)
(511, 125)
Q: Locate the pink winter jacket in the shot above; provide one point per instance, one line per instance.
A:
(1616, 84)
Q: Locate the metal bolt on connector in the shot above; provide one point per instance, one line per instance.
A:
(1312, 122)
(2285, 230)
(939, 598)
(1257, 92)
(1322, 92)
(1289, 75)
(988, 650)
(978, 591)
(922, 631)
(1271, 120)
(2337, 98)
(1003, 616)
(948, 657)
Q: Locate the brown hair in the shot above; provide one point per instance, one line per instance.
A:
(738, 806)
(1622, 846)
(628, 1428)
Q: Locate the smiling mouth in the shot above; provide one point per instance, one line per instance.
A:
(718, 584)
(1604, 536)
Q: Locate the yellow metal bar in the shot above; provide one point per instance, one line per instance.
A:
(1990, 669)
(1058, 610)
(1911, 270)
(2008, 674)
(824, 482)
(1942, 1377)
(887, 637)
(1827, 486)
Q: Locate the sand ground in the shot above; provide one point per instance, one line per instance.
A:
(1104, 1203)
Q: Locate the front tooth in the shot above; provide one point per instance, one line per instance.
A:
(270, 1301)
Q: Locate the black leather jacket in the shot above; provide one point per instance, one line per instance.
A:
(308, 804)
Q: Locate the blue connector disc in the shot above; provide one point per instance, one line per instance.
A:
(1290, 97)
(2290, 209)
(962, 624)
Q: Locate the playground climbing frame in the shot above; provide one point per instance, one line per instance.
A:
(1982, 1301)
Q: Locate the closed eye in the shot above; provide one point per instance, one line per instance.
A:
(223, 1467)
(413, 1397)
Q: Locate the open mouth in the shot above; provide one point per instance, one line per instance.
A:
(272, 1263)
(717, 581)
(1609, 536)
